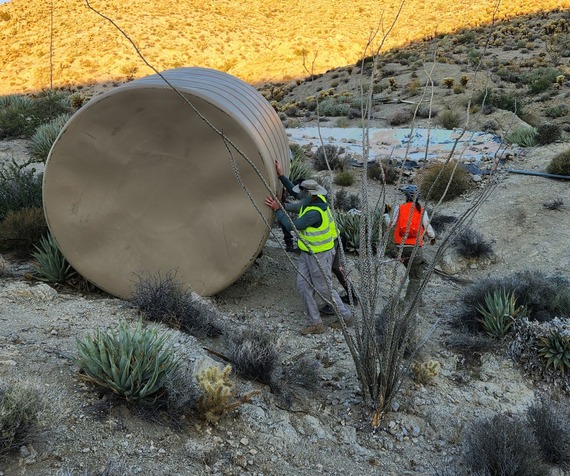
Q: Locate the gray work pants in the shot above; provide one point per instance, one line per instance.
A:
(417, 267)
(309, 275)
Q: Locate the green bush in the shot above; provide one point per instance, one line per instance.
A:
(344, 179)
(133, 362)
(328, 153)
(449, 119)
(444, 180)
(523, 136)
(45, 136)
(348, 225)
(541, 79)
(52, 267)
(20, 410)
(345, 201)
(560, 164)
(19, 188)
(21, 230)
(556, 111)
(330, 108)
(383, 170)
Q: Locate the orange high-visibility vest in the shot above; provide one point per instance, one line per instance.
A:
(409, 225)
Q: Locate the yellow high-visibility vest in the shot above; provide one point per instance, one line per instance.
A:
(319, 239)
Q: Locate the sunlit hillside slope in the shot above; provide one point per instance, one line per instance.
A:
(66, 42)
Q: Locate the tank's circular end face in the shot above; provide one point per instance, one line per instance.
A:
(138, 183)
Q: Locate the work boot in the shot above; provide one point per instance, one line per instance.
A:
(349, 323)
(327, 309)
(314, 329)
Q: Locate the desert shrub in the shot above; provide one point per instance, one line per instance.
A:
(550, 423)
(540, 79)
(218, 395)
(439, 222)
(534, 290)
(444, 180)
(20, 410)
(161, 298)
(52, 267)
(556, 111)
(330, 108)
(399, 117)
(45, 136)
(502, 446)
(21, 230)
(560, 163)
(328, 156)
(19, 188)
(449, 119)
(383, 170)
(132, 362)
(254, 355)
(344, 179)
(20, 115)
(470, 244)
(548, 133)
(345, 201)
(427, 110)
(498, 312)
(523, 136)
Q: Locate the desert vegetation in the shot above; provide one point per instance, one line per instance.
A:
(524, 315)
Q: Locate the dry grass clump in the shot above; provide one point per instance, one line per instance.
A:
(254, 355)
(550, 423)
(560, 164)
(21, 230)
(21, 408)
(471, 244)
(400, 117)
(502, 445)
(161, 298)
(548, 133)
(444, 181)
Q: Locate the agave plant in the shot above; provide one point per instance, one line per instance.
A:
(131, 362)
(349, 227)
(499, 312)
(52, 266)
(555, 348)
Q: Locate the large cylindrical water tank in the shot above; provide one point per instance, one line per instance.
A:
(150, 179)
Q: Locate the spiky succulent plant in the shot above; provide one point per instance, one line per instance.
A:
(555, 348)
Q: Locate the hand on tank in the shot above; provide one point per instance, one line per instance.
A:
(278, 168)
(272, 203)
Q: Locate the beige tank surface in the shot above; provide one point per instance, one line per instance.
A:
(137, 182)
